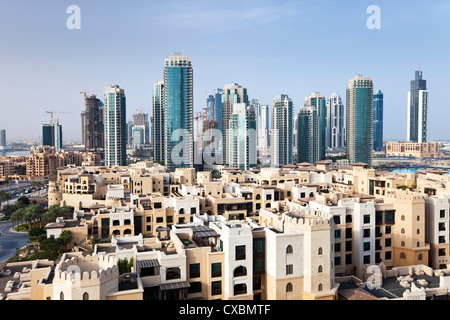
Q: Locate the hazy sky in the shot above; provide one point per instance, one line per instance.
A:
(270, 47)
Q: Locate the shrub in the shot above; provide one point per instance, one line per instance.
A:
(35, 232)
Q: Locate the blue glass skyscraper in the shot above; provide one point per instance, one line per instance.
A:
(178, 112)
(378, 121)
(359, 119)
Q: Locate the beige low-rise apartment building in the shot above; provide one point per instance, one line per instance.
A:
(73, 277)
(413, 149)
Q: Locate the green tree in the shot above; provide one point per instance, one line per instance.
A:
(19, 216)
(23, 201)
(9, 208)
(38, 212)
(94, 241)
(64, 238)
(50, 244)
(4, 196)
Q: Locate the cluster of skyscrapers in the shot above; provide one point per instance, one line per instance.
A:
(239, 132)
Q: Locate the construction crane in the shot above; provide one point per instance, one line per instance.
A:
(52, 112)
(85, 91)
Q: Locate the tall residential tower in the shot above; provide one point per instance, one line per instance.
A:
(359, 119)
(158, 137)
(335, 125)
(115, 126)
(378, 121)
(417, 118)
(281, 131)
(178, 112)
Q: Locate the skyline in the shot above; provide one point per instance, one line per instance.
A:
(47, 65)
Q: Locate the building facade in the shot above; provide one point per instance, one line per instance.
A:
(307, 135)
(378, 121)
(359, 119)
(417, 113)
(115, 133)
(318, 101)
(231, 94)
(335, 123)
(178, 112)
(281, 131)
(158, 136)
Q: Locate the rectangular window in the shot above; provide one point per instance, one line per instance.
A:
(337, 234)
(289, 269)
(389, 217)
(366, 218)
(388, 255)
(240, 252)
(195, 287)
(388, 242)
(258, 265)
(258, 246)
(216, 269)
(337, 261)
(149, 219)
(194, 270)
(388, 229)
(366, 233)
(348, 233)
(378, 217)
(442, 214)
(256, 282)
(216, 288)
(169, 218)
(348, 246)
(159, 220)
(337, 247)
(366, 259)
(348, 259)
(366, 246)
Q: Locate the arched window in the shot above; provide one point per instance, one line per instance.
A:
(418, 231)
(289, 249)
(320, 251)
(403, 243)
(85, 296)
(268, 205)
(420, 257)
(319, 269)
(320, 287)
(348, 218)
(402, 255)
(61, 296)
(402, 231)
(403, 218)
(418, 218)
(289, 287)
(240, 271)
(258, 197)
(418, 244)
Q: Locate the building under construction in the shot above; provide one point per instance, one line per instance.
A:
(94, 128)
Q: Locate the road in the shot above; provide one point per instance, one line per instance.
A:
(10, 241)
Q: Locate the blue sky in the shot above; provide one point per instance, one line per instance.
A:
(270, 47)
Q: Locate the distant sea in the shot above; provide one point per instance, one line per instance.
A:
(14, 153)
(414, 170)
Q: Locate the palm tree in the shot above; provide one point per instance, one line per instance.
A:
(65, 237)
(94, 241)
(38, 213)
(20, 215)
(29, 216)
